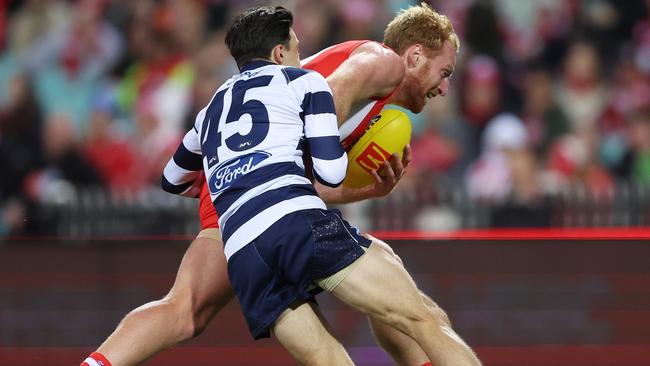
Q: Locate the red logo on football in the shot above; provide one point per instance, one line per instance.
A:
(372, 157)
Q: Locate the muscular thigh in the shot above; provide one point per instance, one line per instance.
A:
(378, 285)
(203, 273)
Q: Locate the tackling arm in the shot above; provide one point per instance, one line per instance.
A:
(327, 154)
(183, 174)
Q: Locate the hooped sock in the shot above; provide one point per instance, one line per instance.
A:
(96, 359)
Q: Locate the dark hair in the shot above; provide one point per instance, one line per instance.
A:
(256, 31)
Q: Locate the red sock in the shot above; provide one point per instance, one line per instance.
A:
(96, 359)
(427, 364)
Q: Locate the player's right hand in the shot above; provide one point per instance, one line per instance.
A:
(389, 174)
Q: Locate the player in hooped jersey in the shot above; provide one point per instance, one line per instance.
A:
(362, 72)
(351, 129)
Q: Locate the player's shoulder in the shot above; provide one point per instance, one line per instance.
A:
(293, 74)
(375, 50)
(372, 46)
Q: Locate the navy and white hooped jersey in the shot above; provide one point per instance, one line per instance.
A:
(249, 141)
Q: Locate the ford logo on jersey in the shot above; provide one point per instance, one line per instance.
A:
(227, 173)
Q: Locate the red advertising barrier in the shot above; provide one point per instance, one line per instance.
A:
(518, 297)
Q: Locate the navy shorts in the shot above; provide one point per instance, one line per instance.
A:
(280, 266)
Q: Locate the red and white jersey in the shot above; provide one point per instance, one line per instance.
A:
(325, 63)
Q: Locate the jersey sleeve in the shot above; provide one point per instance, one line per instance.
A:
(321, 129)
(183, 169)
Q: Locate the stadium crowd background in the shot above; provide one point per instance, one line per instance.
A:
(548, 95)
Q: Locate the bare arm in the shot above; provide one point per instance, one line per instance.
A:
(371, 71)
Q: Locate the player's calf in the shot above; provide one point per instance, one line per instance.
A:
(200, 290)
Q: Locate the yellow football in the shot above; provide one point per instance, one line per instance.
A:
(388, 132)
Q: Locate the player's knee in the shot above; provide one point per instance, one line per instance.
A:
(181, 311)
(442, 316)
(199, 323)
(437, 310)
(196, 315)
(193, 319)
(418, 318)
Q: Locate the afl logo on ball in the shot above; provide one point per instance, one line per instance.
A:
(372, 157)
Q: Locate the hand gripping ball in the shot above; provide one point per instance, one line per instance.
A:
(387, 133)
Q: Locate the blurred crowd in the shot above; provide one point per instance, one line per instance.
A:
(546, 93)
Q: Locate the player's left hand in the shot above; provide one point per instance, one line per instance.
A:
(390, 173)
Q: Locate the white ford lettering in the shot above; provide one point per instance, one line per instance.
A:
(225, 175)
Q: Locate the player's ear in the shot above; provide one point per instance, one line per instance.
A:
(414, 55)
(277, 54)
